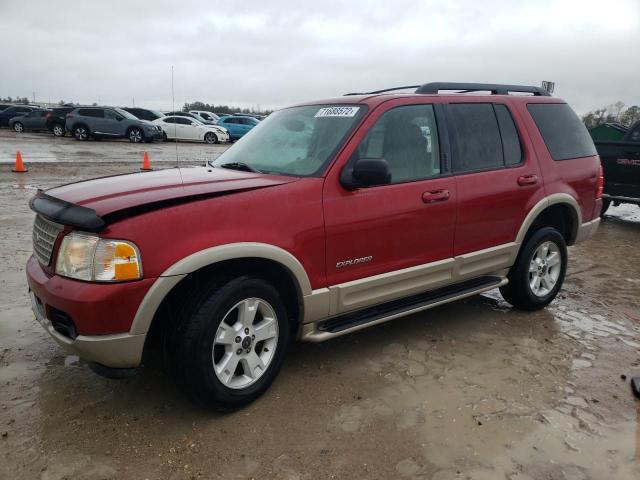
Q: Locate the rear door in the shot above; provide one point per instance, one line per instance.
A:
(169, 127)
(375, 235)
(94, 117)
(37, 119)
(497, 176)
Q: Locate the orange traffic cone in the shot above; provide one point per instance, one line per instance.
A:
(146, 164)
(19, 168)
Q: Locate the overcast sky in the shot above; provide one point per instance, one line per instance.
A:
(278, 52)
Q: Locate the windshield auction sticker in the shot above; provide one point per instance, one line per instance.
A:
(337, 112)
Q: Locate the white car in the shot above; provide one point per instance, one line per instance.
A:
(187, 128)
(206, 116)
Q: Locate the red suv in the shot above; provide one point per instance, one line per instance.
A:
(328, 217)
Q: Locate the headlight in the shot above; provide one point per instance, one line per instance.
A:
(91, 258)
(221, 129)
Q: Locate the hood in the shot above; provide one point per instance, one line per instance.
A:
(108, 195)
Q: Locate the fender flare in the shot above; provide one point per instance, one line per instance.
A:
(204, 258)
(538, 208)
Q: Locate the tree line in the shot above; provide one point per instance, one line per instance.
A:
(616, 113)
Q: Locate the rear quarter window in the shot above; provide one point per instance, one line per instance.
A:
(564, 134)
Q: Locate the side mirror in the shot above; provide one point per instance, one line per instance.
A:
(119, 118)
(366, 172)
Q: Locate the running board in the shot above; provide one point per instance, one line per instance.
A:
(349, 322)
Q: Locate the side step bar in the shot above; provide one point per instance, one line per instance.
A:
(349, 322)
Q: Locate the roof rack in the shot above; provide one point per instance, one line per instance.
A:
(494, 88)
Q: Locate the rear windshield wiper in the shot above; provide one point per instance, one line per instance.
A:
(240, 166)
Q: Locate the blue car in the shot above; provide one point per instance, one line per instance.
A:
(238, 125)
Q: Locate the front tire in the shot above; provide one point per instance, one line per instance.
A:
(539, 271)
(136, 135)
(211, 138)
(231, 341)
(18, 127)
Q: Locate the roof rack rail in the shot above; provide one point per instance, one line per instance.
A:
(382, 91)
(494, 88)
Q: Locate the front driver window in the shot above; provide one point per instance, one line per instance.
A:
(407, 138)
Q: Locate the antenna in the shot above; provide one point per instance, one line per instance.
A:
(175, 125)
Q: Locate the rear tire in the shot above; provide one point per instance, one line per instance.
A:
(18, 127)
(539, 271)
(58, 130)
(230, 342)
(81, 132)
(605, 206)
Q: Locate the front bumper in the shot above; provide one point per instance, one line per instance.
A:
(120, 350)
(154, 134)
(91, 320)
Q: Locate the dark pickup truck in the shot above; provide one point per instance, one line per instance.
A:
(621, 165)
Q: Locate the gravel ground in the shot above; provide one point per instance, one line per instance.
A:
(470, 390)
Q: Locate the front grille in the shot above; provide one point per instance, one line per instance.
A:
(45, 233)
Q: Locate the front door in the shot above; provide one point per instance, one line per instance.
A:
(389, 241)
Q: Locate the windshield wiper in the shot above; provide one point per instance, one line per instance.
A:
(240, 166)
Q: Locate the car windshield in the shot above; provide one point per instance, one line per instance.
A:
(126, 114)
(296, 141)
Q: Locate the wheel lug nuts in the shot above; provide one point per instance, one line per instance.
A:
(246, 330)
(239, 351)
(237, 339)
(253, 337)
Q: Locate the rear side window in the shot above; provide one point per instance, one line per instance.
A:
(511, 147)
(563, 132)
(91, 112)
(476, 137)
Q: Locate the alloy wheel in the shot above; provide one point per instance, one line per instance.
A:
(245, 343)
(81, 133)
(544, 268)
(135, 136)
(57, 130)
(18, 127)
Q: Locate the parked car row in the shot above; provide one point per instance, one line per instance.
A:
(135, 124)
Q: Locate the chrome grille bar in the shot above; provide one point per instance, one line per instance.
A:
(45, 233)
